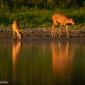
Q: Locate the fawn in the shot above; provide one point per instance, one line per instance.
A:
(15, 29)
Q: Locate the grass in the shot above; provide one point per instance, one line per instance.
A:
(33, 18)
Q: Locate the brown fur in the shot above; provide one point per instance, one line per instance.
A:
(15, 29)
(61, 20)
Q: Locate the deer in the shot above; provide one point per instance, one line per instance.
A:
(62, 20)
(15, 29)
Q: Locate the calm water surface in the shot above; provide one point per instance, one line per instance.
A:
(55, 63)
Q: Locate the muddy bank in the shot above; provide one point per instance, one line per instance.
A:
(43, 35)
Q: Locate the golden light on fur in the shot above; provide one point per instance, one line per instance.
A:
(15, 30)
(62, 20)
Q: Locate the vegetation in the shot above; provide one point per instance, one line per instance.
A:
(37, 13)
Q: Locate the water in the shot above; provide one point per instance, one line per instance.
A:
(54, 63)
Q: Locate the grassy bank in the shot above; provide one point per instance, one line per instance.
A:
(32, 18)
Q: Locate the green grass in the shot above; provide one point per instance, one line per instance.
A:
(33, 18)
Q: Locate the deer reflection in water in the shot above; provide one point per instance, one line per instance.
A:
(62, 58)
(15, 52)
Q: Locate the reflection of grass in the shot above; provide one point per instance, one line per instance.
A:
(40, 18)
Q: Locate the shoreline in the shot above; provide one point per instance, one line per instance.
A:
(40, 36)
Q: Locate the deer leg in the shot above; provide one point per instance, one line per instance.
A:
(60, 30)
(13, 35)
(18, 34)
(53, 31)
(67, 31)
